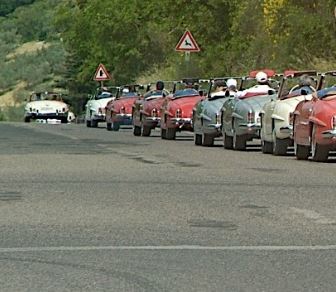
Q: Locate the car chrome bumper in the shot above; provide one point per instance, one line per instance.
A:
(153, 119)
(250, 126)
(99, 117)
(46, 115)
(329, 134)
(286, 130)
(125, 119)
(215, 126)
(181, 122)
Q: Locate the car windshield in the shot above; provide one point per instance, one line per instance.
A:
(128, 94)
(45, 96)
(185, 92)
(326, 92)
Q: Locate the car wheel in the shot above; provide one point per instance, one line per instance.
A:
(239, 142)
(163, 133)
(228, 141)
(320, 153)
(108, 126)
(146, 131)
(136, 131)
(207, 140)
(279, 145)
(94, 123)
(27, 119)
(198, 139)
(266, 147)
(115, 126)
(301, 151)
(171, 134)
(88, 124)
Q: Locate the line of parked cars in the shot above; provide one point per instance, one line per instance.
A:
(294, 108)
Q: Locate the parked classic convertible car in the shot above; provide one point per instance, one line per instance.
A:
(240, 114)
(314, 125)
(147, 110)
(95, 107)
(119, 110)
(276, 130)
(46, 106)
(177, 109)
(207, 113)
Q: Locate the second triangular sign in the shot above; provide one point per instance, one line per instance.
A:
(187, 43)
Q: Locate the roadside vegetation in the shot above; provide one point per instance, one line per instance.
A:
(135, 40)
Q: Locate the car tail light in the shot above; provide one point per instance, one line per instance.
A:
(178, 113)
(122, 110)
(291, 118)
(333, 122)
(250, 117)
(154, 113)
(218, 118)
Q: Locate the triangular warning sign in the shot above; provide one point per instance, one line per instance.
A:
(101, 74)
(187, 43)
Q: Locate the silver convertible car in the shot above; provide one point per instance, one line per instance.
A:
(207, 113)
(240, 114)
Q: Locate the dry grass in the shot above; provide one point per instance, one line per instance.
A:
(9, 98)
(28, 48)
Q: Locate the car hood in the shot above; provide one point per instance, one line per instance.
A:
(184, 102)
(256, 102)
(99, 103)
(214, 105)
(39, 104)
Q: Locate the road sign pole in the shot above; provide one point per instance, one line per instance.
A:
(187, 62)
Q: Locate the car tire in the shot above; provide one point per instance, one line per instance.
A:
(137, 131)
(108, 126)
(94, 123)
(163, 133)
(27, 119)
(227, 141)
(319, 152)
(198, 139)
(171, 134)
(146, 131)
(279, 145)
(239, 142)
(266, 147)
(88, 124)
(301, 151)
(207, 140)
(115, 126)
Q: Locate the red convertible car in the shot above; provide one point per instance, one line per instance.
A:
(314, 126)
(177, 110)
(119, 111)
(147, 111)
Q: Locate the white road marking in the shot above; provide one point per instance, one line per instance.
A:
(171, 247)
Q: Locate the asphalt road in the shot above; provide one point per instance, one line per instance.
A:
(90, 210)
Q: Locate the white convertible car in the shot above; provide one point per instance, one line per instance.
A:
(46, 106)
(95, 107)
(276, 128)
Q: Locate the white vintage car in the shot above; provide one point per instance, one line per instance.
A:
(95, 107)
(276, 128)
(46, 106)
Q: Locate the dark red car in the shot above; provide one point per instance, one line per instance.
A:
(314, 126)
(146, 113)
(177, 111)
(119, 111)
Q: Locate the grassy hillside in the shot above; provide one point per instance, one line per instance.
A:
(31, 54)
